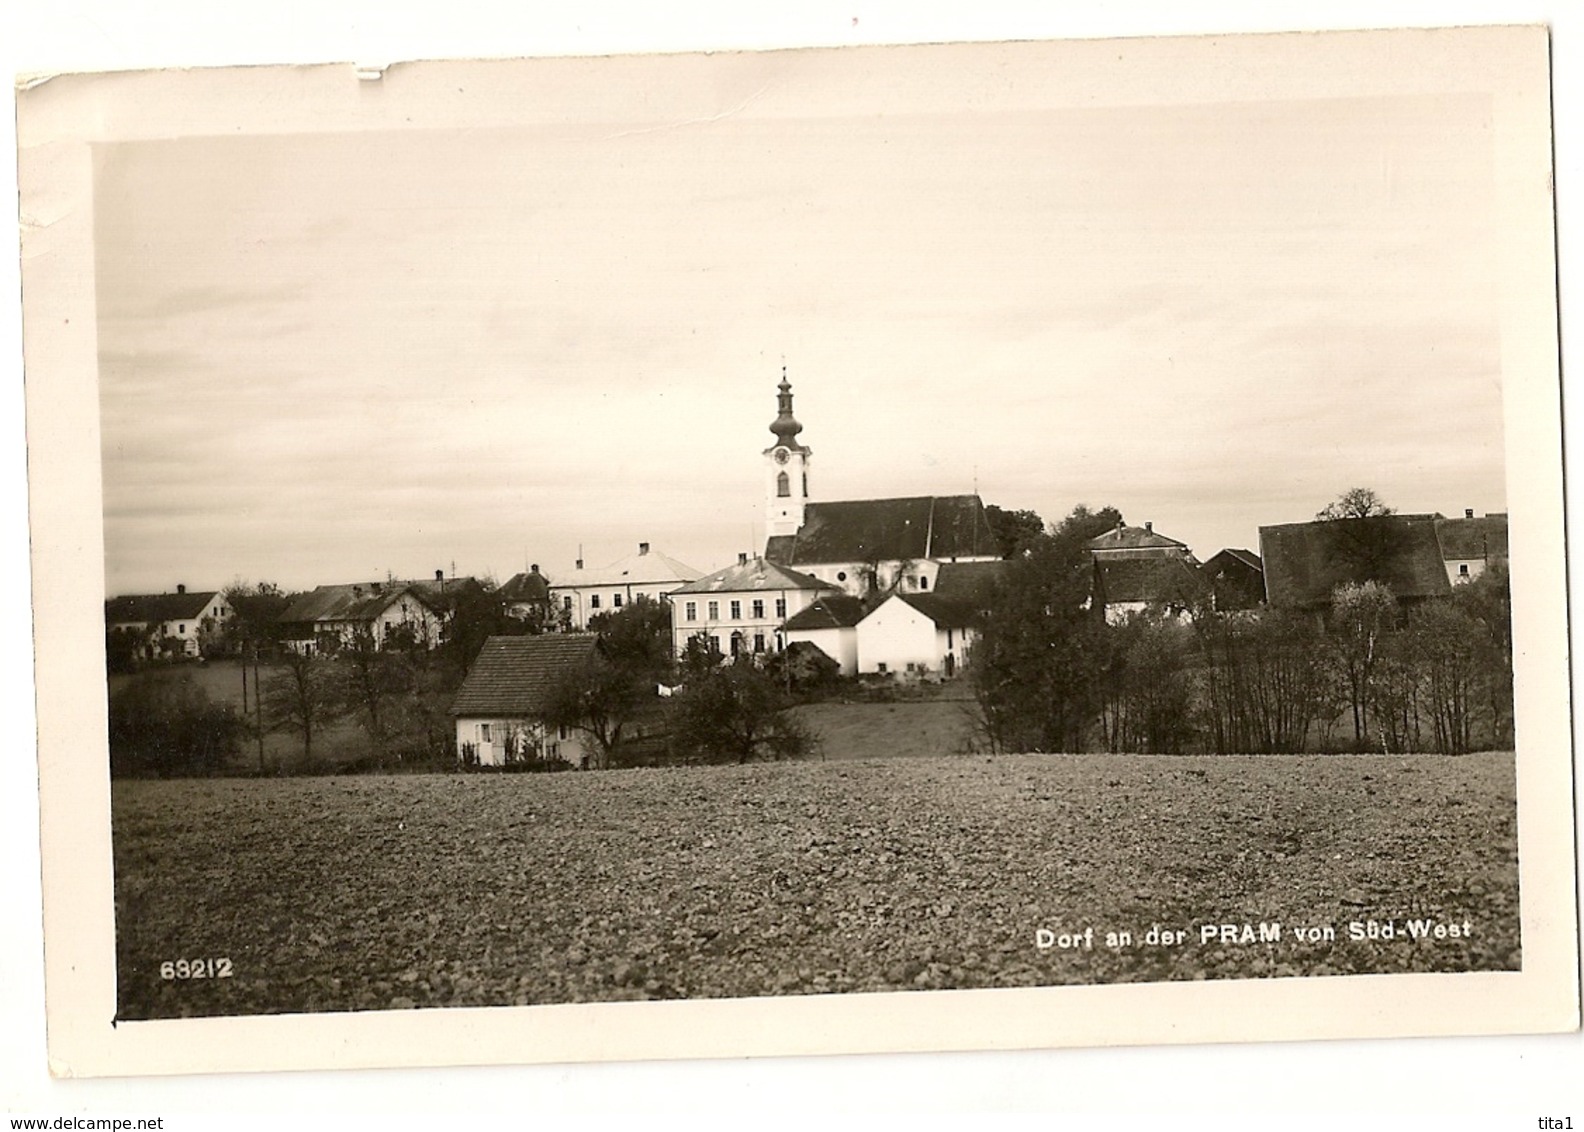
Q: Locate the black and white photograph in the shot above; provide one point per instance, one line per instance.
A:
(864, 527)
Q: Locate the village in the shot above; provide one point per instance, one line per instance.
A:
(876, 592)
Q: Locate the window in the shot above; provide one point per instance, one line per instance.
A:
(594, 601)
(783, 485)
(841, 575)
(714, 614)
(563, 733)
(566, 603)
(1463, 569)
(181, 630)
(759, 642)
(881, 668)
(736, 611)
(780, 607)
(923, 582)
(484, 733)
(691, 611)
(736, 644)
(714, 644)
(948, 638)
(758, 609)
(616, 600)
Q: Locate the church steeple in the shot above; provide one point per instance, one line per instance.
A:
(786, 467)
(785, 426)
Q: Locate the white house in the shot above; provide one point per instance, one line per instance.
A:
(388, 611)
(831, 625)
(179, 623)
(742, 609)
(499, 708)
(1469, 545)
(917, 634)
(645, 576)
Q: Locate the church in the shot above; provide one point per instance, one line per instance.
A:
(865, 547)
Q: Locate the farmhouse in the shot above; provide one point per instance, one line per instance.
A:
(1469, 545)
(1124, 587)
(388, 612)
(830, 624)
(499, 708)
(1123, 542)
(864, 546)
(1236, 580)
(178, 624)
(645, 576)
(919, 634)
(526, 596)
(1305, 562)
(743, 608)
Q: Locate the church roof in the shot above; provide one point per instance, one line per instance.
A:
(755, 575)
(647, 567)
(886, 530)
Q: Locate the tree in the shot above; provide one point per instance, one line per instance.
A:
(165, 724)
(301, 697)
(371, 683)
(1488, 600)
(1013, 530)
(476, 613)
(1361, 615)
(604, 698)
(1039, 665)
(1266, 680)
(1148, 704)
(736, 713)
(1354, 503)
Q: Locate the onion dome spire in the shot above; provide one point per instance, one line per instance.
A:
(785, 426)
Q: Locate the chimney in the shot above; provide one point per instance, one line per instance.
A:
(643, 548)
(1149, 527)
(439, 575)
(1468, 512)
(578, 565)
(742, 558)
(534, 569)
(180, 588)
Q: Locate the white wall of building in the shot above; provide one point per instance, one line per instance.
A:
(492, 739)
(720, 614)
(841, 645)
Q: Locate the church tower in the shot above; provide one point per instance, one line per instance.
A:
(786, 469)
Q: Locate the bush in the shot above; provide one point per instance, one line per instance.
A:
(166, 725)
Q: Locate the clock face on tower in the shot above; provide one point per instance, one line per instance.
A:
(782, 455)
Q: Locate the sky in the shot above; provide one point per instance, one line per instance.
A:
(339, 356)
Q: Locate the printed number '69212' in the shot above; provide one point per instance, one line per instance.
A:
(196, 969)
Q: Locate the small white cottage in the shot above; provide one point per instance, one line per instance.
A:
(499, 708)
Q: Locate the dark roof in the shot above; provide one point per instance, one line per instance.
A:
(886, 530)
(1305, 562)
(512, 676)
(945, 612)
(972, 582)
(1133, 538)
(149, 608)
(1237, 554)
(833, 611)
(755, 575)
(351, 602)
(1167, 581)
(530, 587)
(1484, 537)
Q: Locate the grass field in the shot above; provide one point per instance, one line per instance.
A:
(901, 873)
(905, 729)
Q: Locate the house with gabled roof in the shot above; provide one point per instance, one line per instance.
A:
(1470, 545)
(387, 613)
(917, 635)
(526, 596)
(1127, 586)
(741, 609)
(648, 575)
(1305, 562)
(830, 624)
(1235, 578)
(178, 624)
(500, 708)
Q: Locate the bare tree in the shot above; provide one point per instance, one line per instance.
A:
(1361, 616)
(1354, 503)
(300, 697)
